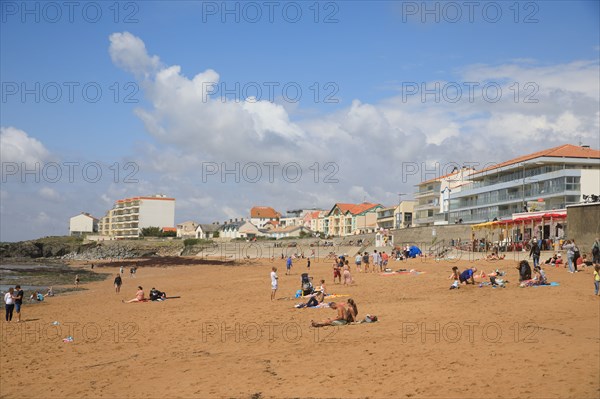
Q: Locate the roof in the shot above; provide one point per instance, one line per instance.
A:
(169, 229)
(288, 229)
(264, 212)
(85, 214)
(439, 178)
(355, 209)
(562, 151)
(209, 228)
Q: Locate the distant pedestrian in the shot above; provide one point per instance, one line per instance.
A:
(118, 283)
(274, 282)
(121, 270)
(357, 261)
(92, 266)
(9, 303)
(596, 251)
(77, 280)
(288, 265)
(308, 264)
(131, 272)
(18, 301)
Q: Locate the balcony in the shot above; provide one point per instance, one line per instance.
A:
(427, 220)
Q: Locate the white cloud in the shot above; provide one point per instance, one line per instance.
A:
(129, 52)
(18, 146)
(369, 143)
(49, 194)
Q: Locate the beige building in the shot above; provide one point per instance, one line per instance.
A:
(396, 217)
(187, 229)
(130, 215)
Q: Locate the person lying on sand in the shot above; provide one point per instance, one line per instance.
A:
(345, 314)
(156, 295)
(139, 296)
(313, 301)
(495, 256)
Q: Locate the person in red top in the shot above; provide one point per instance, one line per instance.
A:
(385, 257)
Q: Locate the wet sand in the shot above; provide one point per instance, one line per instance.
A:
(225, 338)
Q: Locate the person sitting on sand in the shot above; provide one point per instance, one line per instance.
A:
(36, 296)
(343, 315)
(467, 276)
(139, 296)
(50, 292)
(524, 271)
(495, 256)
(323, 289)
(540, 276)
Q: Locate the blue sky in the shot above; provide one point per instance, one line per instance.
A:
(362, 60)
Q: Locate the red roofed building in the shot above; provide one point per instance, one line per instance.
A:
(260, 215)
(348, 219)
(552, 179)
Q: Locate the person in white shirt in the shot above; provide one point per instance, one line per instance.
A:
(274, 282)
(9, 302)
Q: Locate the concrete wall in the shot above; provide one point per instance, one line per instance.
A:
(583, 225)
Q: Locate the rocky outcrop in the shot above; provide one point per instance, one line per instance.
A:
(72, 248)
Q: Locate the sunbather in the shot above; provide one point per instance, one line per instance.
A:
(139, 296)
(343, 315)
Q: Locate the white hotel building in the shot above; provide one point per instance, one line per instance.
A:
(130, 215)
(553, 178)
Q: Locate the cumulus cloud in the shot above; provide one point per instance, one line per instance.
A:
(540, 106)
(129, 52)
(18, 146)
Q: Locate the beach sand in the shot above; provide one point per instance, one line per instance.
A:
(225, 338)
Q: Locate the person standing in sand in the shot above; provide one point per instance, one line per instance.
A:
(9, 303)
(118, 283)
(288, 265)
(347, 276)
(18, 301)
(274, 282)
(121, 269)
(366, 261)
(358, 261)
(77, 280)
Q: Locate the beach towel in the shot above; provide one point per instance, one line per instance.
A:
(552, 284)
(414, 272)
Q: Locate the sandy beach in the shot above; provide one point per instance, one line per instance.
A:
(224, 337)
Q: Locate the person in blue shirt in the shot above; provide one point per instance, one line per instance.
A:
(288, 265)
(467, 276)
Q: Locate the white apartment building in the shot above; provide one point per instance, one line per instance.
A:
(555, 177)
(433, 195)
(130, 215)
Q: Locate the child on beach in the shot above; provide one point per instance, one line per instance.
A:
(322, 288)
(596, 278)
(274, 282)
(456, 276)
(118, 283)
(77, 280)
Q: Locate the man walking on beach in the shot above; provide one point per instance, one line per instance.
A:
(18, 301)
